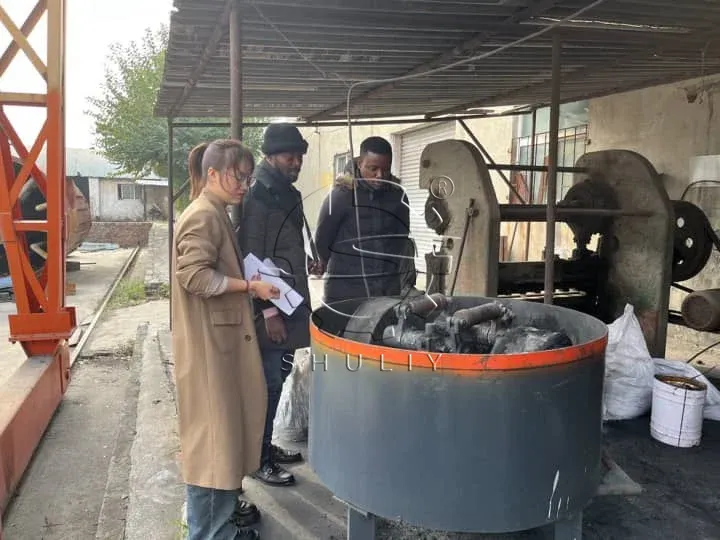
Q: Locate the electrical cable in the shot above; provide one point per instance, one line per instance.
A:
(295, 47)
(463, 61)
(438, 70)
(413, 76)
(702, 351)
(691, 184)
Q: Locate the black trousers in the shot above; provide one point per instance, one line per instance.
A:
(277, 364)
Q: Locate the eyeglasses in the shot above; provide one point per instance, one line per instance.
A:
(248, 180)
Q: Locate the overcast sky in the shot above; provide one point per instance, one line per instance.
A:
(92, 25)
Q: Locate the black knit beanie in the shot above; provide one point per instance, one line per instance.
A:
(281, 138)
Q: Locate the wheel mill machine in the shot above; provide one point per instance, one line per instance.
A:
(646, 243)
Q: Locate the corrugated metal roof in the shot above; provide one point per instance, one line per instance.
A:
(299, 56)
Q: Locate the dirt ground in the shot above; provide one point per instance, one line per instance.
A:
(97, 272)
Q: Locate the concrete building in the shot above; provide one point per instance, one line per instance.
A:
(114, 196)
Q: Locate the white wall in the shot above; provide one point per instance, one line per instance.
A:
(661, 124)
(94, 191)
(107, 207)
(316, 177)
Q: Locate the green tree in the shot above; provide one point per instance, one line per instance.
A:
(127, 132)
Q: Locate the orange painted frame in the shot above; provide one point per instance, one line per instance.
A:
(43, 320)
(467, 363)
(29, 399)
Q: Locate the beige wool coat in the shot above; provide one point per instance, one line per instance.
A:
(221, 392)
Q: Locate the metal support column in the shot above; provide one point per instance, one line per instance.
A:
(43, 323)
(552, 171)
(236, 79)
(531, 184)
(171, 209)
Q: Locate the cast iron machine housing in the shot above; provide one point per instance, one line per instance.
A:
(617, 194)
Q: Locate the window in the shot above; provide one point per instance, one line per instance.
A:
(572, 143)
(339, 163)
(129, 192)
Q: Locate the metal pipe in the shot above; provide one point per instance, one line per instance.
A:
(538, 212)
(236, 78)
(531, 184)
(236, 90)
(536, 168)
(171, 211)
(552, 172)
(489, 158)
(369, 122)
(181, 190)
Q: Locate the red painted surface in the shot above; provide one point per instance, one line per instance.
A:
(28, 400)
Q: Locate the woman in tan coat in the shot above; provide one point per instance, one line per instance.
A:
(221, 393)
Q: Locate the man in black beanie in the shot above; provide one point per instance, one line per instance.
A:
(272, 227)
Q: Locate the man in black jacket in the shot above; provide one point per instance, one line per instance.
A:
(363, 231)
(272, 227)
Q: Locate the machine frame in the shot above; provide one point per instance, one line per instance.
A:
(636, 223)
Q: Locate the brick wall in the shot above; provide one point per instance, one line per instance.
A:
(124, 233)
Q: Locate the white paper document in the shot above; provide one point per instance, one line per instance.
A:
(306, 242)
(289, 299)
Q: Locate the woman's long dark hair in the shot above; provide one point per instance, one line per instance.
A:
(221, 155)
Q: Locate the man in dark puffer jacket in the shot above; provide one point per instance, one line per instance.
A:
(271, 227)
(377, 260)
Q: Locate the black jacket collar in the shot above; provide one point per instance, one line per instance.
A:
(270, 177)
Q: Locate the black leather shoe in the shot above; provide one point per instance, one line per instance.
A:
(245, 514)
(274, 475)
(247, 534)
(281, 455)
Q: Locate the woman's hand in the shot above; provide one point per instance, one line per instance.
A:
(263, 290)
(276, 330)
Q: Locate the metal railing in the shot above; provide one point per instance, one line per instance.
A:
(532, 186)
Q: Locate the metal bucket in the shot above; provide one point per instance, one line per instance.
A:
(677, 410)
(456, 442)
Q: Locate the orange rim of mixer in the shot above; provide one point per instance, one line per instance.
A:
(445, 361)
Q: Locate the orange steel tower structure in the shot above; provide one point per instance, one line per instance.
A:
(43, 323)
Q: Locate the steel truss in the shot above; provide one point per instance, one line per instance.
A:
(43, 323)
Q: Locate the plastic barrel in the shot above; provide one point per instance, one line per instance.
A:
(677, 410)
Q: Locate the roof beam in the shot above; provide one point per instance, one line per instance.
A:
(468, 46)
(572, 76)
(207, 55)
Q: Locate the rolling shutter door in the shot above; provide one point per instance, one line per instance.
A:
(411, 146)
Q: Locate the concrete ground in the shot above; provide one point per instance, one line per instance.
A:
(97, 272)
(78, 484)
(108, 467)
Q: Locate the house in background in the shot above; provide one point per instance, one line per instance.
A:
(112, 195)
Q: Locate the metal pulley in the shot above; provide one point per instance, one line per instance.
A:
(692, 241)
